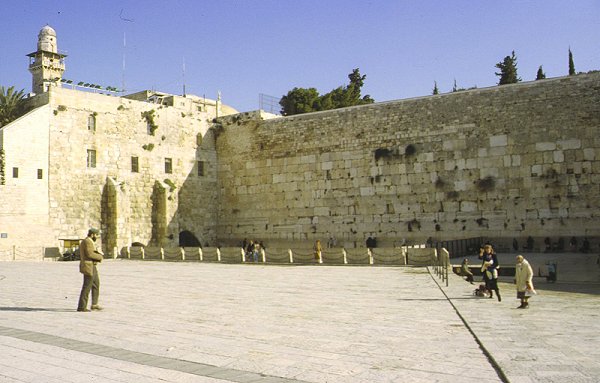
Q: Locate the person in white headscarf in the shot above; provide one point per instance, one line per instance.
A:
(524, 281)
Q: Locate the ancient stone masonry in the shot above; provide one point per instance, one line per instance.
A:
(503, 162)
(141, 167)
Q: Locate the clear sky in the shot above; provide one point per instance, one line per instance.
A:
(246, 47)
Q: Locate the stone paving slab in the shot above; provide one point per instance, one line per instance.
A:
(191, 322)
(555, 340)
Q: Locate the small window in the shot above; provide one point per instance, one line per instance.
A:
(168, 165)
(92, 123)
(15, 172)
(200, 168)
(135, 165)
(91, 158)
(40, 174)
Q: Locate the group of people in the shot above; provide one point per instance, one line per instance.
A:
(252, 249)
(489, 269)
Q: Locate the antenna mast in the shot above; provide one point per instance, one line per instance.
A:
(183, 76)
(123, 69)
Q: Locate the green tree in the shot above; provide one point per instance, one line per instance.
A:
(540, 74)
(508, 70)
(301, 100)
(571, 64)
(11, 104)
(354, 89)
(435, 88)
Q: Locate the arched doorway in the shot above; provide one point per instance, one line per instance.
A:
(188, 239)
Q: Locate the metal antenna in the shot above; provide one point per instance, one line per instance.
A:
(183, 76)
(123, 69)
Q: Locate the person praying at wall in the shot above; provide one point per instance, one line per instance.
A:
(250, 250)
(317, 248)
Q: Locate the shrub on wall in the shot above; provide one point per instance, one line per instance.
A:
(149, 117)
(171, 184)
(2, 167)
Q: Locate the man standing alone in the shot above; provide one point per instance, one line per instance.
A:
(87, 266)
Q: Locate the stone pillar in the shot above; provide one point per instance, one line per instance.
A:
(116, 212)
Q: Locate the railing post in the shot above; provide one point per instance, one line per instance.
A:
(291, 255)
(200, 254)
(143, 252)
(264, 255)
(447, 265)
(162, 254)
(218, 255)
(345, 256)
(115, 252)
(243, 254)
(128, 252)
(370, 256)
(182, 251)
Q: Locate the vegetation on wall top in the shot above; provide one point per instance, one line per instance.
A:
(302, 100)
(2, 167)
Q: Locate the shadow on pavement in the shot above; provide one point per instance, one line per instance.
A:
(568, 287)
(34, 309)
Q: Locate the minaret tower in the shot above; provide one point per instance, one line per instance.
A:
(46, 64)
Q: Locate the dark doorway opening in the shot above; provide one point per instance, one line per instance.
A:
(188, 239)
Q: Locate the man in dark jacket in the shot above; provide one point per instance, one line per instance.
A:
(87, 266)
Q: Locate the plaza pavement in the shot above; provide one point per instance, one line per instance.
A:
(203, 322)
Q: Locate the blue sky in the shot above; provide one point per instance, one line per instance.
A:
(243, 48)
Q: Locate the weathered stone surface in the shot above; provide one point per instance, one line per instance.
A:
(501, 154)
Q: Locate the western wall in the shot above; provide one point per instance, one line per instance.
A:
(503, 163)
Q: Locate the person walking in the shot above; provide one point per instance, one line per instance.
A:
(489, 268)
(524, 281)
(89, 257)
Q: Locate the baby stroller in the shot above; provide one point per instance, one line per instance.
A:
(481, 291)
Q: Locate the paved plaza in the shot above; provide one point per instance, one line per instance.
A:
(207, 322)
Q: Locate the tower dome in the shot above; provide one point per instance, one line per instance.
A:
(47, 39)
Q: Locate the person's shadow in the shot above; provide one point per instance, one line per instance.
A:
(35, 309)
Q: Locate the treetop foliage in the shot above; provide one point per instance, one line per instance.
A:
(11, 104)
(571, 64)
(508, 70)
(302, 100)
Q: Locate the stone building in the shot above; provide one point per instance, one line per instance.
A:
(504, 163)
(85, 158)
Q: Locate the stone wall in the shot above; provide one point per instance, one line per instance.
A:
(122, 132)
(72, 196)
(24, 199)
(503, 162)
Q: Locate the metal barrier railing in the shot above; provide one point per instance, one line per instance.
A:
(442, 264)
(399, 256)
